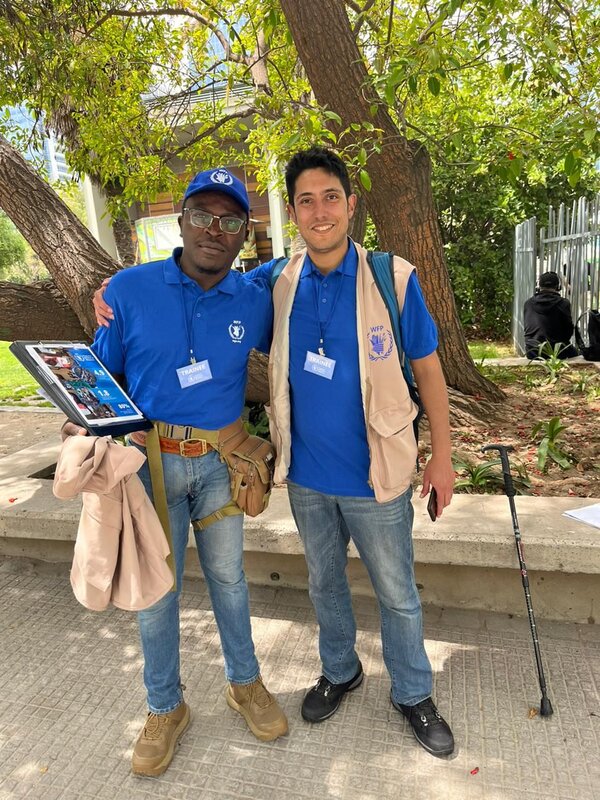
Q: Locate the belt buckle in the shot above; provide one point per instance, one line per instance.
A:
(183, 443)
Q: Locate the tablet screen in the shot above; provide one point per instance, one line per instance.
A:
(84, 382)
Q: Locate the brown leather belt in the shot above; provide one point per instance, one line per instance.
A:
(187, 441)
(188, 448)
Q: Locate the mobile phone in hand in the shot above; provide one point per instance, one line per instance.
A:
(432, 504)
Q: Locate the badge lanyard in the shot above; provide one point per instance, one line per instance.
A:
(188, 331)
(324, 325)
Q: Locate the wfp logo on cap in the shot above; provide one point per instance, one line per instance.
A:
(221, 177)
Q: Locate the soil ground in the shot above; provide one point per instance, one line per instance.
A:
(574, 398)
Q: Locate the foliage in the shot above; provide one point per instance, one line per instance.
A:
(257, 423)
(482, 349)
(12, 249)
(493, 87)
(550, 361)
(496, 373)
(18, 262)
(548, 447)
(485, 478)
(502, 93)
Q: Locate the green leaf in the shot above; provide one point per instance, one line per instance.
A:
(433, 85)
(515, 166)
(292, 141)
(413, 83)
(365, 179)
(570, 162)
(433, 57)
(542, 456)
(589, 135)
(390, 94)
(362, 156)
(332, 115)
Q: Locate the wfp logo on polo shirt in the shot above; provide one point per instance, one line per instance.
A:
(236, 331)
(381, 342)
(221, 176)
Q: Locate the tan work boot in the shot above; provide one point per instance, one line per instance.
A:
(259, 708)
(154, 748)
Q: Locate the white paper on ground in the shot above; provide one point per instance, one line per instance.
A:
(588, 514)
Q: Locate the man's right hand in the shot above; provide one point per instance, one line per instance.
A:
(103, 312)
(71, 429)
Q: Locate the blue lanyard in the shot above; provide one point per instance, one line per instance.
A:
(188, 330)
(324, 325)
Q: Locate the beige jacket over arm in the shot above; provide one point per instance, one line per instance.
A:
(121, 549)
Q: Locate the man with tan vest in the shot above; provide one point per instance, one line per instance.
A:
(341, 421)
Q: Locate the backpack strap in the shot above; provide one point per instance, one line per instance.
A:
(278, 267)
(382, 267)
(578, 336)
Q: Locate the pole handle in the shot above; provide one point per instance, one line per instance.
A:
(503, 451)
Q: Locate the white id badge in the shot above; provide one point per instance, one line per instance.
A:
(192, 374)
(319, 365)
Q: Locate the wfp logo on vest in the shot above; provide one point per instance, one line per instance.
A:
(236, 331)
(381, 343)
(221, 176)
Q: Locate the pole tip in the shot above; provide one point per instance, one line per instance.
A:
(546, 709)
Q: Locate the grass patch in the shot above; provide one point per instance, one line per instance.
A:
(15, 382)
(479, 348)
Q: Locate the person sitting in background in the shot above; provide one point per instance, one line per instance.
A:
(547, 319)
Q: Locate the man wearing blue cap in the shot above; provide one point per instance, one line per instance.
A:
(182, 332)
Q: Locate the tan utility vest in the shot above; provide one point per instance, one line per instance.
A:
(388, 408)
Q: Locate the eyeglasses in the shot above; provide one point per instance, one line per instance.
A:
(202, 219)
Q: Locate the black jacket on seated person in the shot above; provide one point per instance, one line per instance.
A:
(547, 318)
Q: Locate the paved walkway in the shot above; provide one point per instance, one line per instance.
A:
(73, 702)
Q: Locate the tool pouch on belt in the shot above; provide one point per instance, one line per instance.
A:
(250, 461)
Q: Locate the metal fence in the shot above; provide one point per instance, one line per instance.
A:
(570, 246)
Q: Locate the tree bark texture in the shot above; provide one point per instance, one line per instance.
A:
(358, 223)
(36, 311)
(121, 225)
(401, 200)
(70, 253)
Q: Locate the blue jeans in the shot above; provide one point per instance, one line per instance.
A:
(382, 533)
(195, 488)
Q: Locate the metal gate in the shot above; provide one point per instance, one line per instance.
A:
(569, 246)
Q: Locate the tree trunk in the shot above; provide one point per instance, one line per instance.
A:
(358, 224)
(401, 200)
(36, 311)
(121, 226)
(68, 250)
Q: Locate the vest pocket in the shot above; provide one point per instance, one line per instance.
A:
(393, 447)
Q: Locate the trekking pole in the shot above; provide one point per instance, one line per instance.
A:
(545, 704)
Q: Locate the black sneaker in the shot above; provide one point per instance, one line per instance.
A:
(430, 729)
(325, 697)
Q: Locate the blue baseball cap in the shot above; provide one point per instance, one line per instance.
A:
(219, 180)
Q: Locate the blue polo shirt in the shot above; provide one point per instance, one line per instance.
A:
(329, 439)
(159, 316)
